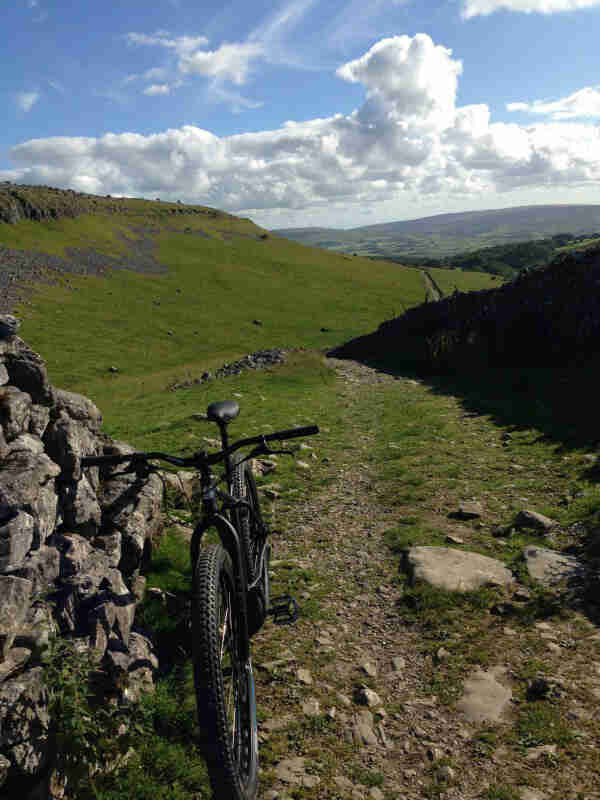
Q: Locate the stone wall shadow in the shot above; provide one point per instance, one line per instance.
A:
(561, 402)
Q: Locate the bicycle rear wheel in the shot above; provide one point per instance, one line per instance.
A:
(224, 683)
(251, 525)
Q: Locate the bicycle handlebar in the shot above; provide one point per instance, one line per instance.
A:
(201, 456)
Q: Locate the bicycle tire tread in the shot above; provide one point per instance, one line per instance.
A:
(223, 774)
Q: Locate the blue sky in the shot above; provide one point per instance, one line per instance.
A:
(306, 112)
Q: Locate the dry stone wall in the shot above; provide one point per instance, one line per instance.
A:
(544, 317)
(72, 549)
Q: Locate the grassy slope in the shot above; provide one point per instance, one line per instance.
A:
(215, 287)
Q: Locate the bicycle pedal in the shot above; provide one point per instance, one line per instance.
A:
(283, 609)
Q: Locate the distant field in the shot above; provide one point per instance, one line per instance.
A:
(450, 279)
(578, 245)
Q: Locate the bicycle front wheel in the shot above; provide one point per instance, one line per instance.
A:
(224, 682)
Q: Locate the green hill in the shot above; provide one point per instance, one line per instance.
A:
(163, 292)
(445, 235)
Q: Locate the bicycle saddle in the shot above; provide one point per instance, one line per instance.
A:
(223, 412)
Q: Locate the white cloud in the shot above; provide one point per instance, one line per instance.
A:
(229, 62)
(473, 8)
(181, 44)
(583, 103)
(157, 88)
(407, 143)
(27, 100)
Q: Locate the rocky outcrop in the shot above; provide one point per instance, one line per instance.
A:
(72, 544)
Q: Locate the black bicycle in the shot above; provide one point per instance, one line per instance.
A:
(230, 597)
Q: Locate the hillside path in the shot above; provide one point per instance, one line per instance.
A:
(315, 735)
(324, 737)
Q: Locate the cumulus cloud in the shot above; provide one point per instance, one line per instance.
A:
(580, 104)
(473, 8)
(27, 100)
(408, 139)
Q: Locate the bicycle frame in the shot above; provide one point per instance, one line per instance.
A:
(213, 518)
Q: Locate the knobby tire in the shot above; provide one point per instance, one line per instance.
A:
(224, 685)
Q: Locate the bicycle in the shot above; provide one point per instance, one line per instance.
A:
(230, 597)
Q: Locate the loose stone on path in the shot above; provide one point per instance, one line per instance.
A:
(454, 570)
(484, 698)
(550, 567)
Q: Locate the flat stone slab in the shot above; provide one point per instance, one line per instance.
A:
(484, 698)
(454, 570)
(549, 567)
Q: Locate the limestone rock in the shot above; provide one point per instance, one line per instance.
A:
(25, 441)
(24, 722)
(39, 417)
(15, 411)
(27, 484)
(484, 698)
(66, 441)
(41, 567)
(15, 661)
(14, 604)
(550, 567)
(9, 326)
(81, 509)
(132, 506)
(16, 538)
(27, 371)
(468, 510)
(454, 570)
(37, 630)
(531, 519)
(181, 482)
(79, 408)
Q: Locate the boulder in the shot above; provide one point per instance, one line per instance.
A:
(549, 567)
(27, 483)
(24, 722)
(15, 594)
(15, 411)
(142, 667)
(454, 570)
(3, 374)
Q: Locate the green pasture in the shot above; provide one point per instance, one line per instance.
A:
(220, 277)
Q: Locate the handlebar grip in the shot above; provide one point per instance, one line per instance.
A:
(293, 433)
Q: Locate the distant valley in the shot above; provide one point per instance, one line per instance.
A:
(445, 235)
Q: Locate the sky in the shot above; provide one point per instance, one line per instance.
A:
(334, 113)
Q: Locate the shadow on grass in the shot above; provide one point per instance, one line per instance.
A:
(561, 402)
